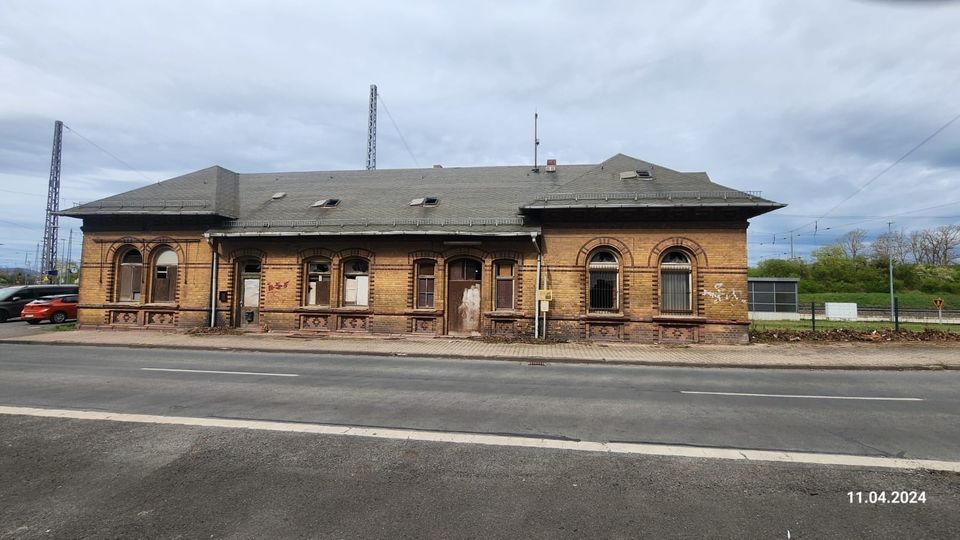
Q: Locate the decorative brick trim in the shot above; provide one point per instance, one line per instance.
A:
(608, 242)
(682, 242)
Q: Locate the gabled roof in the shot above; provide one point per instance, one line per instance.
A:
(472, 200)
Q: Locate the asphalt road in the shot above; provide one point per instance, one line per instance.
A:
(585, 402)
(16, 328)
(93, 479)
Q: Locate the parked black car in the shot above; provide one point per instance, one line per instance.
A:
(12, 299)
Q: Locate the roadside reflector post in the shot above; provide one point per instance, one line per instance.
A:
(813, 315)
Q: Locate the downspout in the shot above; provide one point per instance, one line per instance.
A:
(536, 294)
(213, 285)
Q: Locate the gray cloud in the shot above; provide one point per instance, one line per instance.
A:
(805, 101)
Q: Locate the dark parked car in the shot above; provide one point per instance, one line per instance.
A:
(53, 308)
(12, 299)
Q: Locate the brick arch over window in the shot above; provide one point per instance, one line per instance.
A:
(468, 252)
(605, 241)
(247, 253)
(315, 253)
(508, 255)
(678, 242)
(356, 253)
(414, 256)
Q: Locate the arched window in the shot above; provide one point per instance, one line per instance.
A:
(356, 282)
(131, 268)
(504, 275)
(164, 287)
(426, 273)
(318, 283)
(604, 273)
(675, 283)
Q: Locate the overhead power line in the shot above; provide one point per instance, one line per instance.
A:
(109, 153)
(877, 176)
(396, 127)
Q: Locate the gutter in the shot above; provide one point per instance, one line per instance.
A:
(209, 234)
(536, 296)
(213, 284)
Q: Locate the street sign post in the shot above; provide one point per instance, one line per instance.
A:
(938, 302)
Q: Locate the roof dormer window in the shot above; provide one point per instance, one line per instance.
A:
(326, 203)
(425, 201)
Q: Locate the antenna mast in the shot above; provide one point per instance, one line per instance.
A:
(49, 253)
(536, 143)
(372, 130)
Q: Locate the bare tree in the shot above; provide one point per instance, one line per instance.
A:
(893, 244)
(937, 246)
(853, 242)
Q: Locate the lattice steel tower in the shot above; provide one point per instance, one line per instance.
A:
(49, 253)
(372, 130)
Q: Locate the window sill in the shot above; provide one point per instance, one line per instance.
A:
(604, 316)
(679, 318)
(504, 313)
(425, 312)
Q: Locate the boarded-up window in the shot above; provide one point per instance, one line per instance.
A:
(504, 284)
(604, 271)
(165, 277)
(131, 266)
(318, 283)
(426, 272)
(356, 283)
(675, 283)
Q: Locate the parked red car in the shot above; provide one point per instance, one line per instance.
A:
(53, 308)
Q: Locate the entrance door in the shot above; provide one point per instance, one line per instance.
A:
(463, 297)
(249, 294)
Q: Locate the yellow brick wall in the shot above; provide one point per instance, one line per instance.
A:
(718, 252)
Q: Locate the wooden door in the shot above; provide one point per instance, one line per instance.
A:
(248, 294)
(463, 297)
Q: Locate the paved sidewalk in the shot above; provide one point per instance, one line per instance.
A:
(803, 356)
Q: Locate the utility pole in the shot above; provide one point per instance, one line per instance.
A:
(536, 142)
(53, 205)
(890, 266)
(372, 130)
(791, 246)
(36, 260)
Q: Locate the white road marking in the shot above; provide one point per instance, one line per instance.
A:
(867, 398)
(504, 440)
(221, 372)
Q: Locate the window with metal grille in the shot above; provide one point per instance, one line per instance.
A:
(675, 272)
(426, 271)
(356, 282)
(164, 287)
(504, 279)
(604, 271)
(131, 267)
(318, 283)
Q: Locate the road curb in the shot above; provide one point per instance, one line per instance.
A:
(552, 360)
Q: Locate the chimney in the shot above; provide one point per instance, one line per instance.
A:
(551, 165)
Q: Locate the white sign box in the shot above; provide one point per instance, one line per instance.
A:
(841, 311)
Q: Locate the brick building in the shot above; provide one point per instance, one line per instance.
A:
(628, 250)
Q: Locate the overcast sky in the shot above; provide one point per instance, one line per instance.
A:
(806, 101)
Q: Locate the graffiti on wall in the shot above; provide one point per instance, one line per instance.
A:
(721, 295)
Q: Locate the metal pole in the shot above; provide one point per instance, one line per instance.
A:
(813, 315)
(896, 314)
(890, 265)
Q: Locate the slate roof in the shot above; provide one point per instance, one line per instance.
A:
(472, 200)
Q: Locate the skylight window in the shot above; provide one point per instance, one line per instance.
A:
(279, 195)
(326, 203)
(425, 201)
